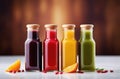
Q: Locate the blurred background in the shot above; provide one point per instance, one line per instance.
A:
(15, 14)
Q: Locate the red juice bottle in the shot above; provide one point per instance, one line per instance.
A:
(33, 49)
(51, 48)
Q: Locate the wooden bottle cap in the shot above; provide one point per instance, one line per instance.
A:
(50, 26)
(33, 26)
(68, 26)
(87, 26)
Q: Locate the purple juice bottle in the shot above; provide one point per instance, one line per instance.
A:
(33, 48)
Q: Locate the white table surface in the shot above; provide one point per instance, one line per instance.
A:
(107, 62)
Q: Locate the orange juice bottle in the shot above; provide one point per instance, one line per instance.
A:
(69, 46)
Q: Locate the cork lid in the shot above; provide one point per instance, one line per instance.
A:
(87, 26)
(33, 26)
(68, 26)
(50, 26)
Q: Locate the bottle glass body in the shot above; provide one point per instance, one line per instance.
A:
(87, 49)
(33, 51)
(69, 45)
(51, 50)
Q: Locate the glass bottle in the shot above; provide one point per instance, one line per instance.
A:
(33, 48)
(51, 48)
(69, 46)
(87, 48)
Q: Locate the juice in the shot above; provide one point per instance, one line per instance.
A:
(33, 50)
(87, 49)
(69, 45)
(51, 49)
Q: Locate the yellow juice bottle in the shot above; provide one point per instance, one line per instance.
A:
(69, 46)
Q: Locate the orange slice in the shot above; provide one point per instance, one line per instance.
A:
(71, 68)
(14, 66)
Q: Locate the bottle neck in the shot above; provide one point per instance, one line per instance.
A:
(87, 34)
(69, 34)
(51, 34)
(32, 34)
